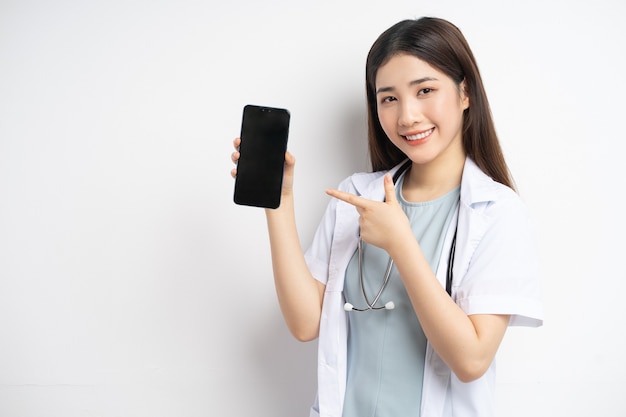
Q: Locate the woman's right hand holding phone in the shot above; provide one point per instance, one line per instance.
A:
(290, 161)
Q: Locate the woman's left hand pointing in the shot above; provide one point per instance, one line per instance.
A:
(382, 223)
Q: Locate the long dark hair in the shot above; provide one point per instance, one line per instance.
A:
(442, 45)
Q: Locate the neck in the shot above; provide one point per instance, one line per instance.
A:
(425, 182)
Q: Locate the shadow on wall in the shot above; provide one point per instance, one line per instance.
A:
(287, 368)
(352, 130)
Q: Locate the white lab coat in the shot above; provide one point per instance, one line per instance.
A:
(496, 271)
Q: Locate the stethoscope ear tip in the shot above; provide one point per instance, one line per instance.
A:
(348, 307)
(390, 305)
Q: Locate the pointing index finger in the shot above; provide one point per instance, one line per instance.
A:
(349, 198)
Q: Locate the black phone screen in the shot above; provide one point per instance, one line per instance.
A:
(264, 133)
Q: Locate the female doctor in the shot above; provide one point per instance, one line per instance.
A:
(417, 268)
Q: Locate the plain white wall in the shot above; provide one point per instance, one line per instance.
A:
(131, 285)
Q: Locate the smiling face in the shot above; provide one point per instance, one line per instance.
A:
(420, 109)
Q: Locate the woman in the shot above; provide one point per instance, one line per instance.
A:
(410, 287)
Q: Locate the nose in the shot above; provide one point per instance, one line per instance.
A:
(410, 114)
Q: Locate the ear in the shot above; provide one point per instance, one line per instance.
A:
(465, 101)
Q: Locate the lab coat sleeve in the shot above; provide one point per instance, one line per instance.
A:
(318, 254)
(503, 275)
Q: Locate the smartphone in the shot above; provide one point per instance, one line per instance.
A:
(264, 133)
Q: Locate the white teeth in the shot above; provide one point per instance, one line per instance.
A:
(420, 135)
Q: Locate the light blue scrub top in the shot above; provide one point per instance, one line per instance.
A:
(386, 348)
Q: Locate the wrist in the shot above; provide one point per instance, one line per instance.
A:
(286, 205)
(403, 246)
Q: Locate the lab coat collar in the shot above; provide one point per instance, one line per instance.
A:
(476, 186)
(371, 184)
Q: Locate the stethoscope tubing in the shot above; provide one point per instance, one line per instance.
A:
(372, 305)
(390, 305)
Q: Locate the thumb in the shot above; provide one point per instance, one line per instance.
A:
(390, 190)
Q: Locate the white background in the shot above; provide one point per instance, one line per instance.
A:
(131, 285)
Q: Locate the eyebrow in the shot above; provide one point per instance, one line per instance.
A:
(412, 83)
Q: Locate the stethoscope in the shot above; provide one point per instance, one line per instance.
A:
(390, 304)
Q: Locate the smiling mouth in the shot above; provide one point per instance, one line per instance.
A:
(421, 135)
